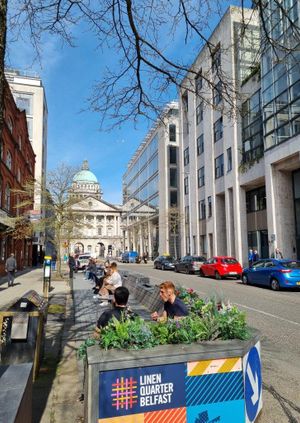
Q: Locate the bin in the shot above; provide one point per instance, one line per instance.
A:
(22, 330)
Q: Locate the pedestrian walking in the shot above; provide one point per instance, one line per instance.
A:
(255, 256)
(278, 254)
(72, 265)
(250, 257)
(11, 268)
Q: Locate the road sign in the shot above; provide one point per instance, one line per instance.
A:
(252, 383)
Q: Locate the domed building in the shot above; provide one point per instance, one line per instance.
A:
(100, 233)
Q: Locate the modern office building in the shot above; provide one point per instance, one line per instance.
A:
(99, 232)
(29, 95)
(151, 217)
(241, 172)
(211, 137)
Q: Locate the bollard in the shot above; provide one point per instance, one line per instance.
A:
(47, 276)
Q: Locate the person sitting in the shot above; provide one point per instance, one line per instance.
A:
(174, 308)
(110, 283)
(118, 310)
(99, 281)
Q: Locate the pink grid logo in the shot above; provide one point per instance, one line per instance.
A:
(124, 393)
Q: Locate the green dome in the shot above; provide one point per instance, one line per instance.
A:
(85, 175)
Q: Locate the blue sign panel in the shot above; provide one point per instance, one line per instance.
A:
(223, 412)
(253, 384)
(132, 391)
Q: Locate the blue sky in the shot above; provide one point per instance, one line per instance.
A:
(68, 74)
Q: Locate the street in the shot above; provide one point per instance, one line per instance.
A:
(276, 315)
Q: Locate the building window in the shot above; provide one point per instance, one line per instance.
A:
(172, 133)
(90, 204)
(89, 248)
(219, 166)
(200, 144)
(217, 93)
(256, 200)
(229, 159)
(203, 244)
(186, 185)
(8, 161)
(209, 206)
(199, 113)
(202, 210)
(216, 58)
(10, 124)
(173, 177)
(109, 231)
(186, 156)
(173, 198)
(218, 129)
(7, 197)
(199, 82)
(20, 142)
(100, 230)
(173, 155)
(201, 177)
(187, 214)
(24, 102)
(252, 130)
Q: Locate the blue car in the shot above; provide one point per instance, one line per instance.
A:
(273, 273)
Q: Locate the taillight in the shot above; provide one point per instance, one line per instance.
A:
(285, 270)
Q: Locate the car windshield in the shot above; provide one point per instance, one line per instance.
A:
(198, 258)
(229, 261)
(291, 264)
(168, 258)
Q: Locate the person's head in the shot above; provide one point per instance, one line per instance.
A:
(12, 254)
(114, 266)
(277, 249)
(250, 250)
(167, 291)
(121, 295)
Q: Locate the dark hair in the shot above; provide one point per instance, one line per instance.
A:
(121, 295)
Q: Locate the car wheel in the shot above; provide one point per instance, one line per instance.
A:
(275, 285)
(176, 269)
(245, 279)
(201, 273)
(187, 272)
(163, 267)
(218, 276)
(239, 277)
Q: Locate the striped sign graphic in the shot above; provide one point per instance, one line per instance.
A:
(206, 367)
(214, 388)
(176, 415)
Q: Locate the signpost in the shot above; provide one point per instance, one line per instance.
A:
(47, 276)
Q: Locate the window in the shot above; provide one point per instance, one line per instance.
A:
(173, 177)
(7, 197)
(109, 231)
(256, 200)
(202, 210)
(200, 144)
(199, 82)
(24, 102)
(203, 244)
(216, 58)
(187, 214)
(209, 204)
(89, 248)
(199, 113)
(201, 177)
(217, 94)
(10, 124)
(172, 155)
(8, 160)
(172, 133)
(229, 159)
(219, 166)
(173, 198)
(186, 185)
(218, 129)
(186, 156)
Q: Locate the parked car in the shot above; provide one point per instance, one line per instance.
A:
(273, 273)
(189, 264)
(221, 267)
(129, 256)
(164, 263)
(82, 261)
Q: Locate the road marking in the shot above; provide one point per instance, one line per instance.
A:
(268, 314)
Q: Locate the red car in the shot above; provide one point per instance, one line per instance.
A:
(221, 267)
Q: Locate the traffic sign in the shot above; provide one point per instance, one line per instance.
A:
(252, 383)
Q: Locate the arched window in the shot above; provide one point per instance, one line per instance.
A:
(10, 124)
(7, 197)
(8, 159)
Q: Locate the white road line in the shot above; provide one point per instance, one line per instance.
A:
(268, 314)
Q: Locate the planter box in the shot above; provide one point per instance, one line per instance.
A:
(216, 381)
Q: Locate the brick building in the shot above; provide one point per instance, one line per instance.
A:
(16, 167)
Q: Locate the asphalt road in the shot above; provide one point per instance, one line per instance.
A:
(277, 316)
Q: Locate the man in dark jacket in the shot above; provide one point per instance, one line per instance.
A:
(10, 268)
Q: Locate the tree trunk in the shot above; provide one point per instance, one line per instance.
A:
(3, 17)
